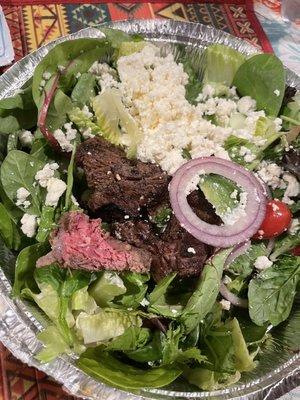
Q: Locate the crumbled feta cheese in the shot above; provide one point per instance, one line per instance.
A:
(191, 250)
(43, 175)
(55, 188)
(246, 104)
(87, 112)
(64, 138)
(42, 83)
(105, 75)
(295, 226)
(271, 173)
(227, 280)
(22, 195)
(247, 154)
(292, 189)
(277, 92)
(225, 304)
(275, 207)
(26, 138)
(87, 134)
(234, 194)
(232, 216)
(29, 224)
(126, 216)
(194, 182)
(60, 68)
(262, 262)
(78, 75)
(144, 302)
(47, 75)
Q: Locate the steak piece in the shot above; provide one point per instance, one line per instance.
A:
(114, 179)
(80, 243)
(176, 250)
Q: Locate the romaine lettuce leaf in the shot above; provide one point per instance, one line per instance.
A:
(105, 325)
(106, 288)
(54, 344)
(111, 114)
(221, 64)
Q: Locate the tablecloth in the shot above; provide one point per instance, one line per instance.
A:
(32, 25)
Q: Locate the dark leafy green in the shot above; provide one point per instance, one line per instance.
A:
(260, 77)
(18, 170)
(272, 292)
(8, 230)
(206, 292)
(106, 368)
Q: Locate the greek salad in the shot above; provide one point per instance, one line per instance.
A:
(150, 204)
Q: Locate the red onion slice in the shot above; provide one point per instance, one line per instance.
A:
(232, 298)
(225, 235)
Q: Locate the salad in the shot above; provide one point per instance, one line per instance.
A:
(150, 203)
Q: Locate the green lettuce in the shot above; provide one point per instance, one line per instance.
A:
(221, 64)
(106, 288)
(105, 325)
(111, 114)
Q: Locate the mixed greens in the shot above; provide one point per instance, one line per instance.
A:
(127, 330)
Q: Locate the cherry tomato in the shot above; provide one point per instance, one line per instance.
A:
(296, 251)
(277, 220)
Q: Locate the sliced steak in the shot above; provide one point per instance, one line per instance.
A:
(80, 243)
(175, 250)
(114, 179)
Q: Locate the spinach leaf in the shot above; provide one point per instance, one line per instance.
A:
(12, 141)
(272, 292)
(260, 77)
(221, 64)
(159, 303)
(8, 230)
(84, 89)
(57, 113)
(206, 292)
(291, 113)
(18, 112)
(106, 368)
(73, 55)
(25, 266)
(242, 266)
(18, 170)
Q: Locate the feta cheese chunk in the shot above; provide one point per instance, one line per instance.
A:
(262, 262)
(22, 194)
(26, 138)
(294, 227)
(43, 175)
(225, 304)
(64, 138)
(55, 188)
(29, 225)
(246, 104)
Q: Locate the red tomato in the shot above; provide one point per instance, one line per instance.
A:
(296, 251)
(277, 220)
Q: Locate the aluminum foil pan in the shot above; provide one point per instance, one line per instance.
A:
(278, 370)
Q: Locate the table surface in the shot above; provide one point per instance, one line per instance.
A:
(32, 25)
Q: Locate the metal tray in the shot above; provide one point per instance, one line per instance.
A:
(278, 370)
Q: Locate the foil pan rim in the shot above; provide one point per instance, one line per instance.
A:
(18, 327)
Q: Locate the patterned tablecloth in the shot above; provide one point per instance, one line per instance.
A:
(32, 25)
